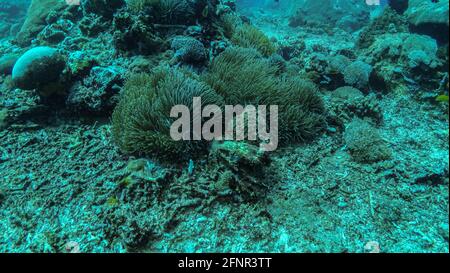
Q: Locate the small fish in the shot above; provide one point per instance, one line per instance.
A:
(191, 167)
(442, 98)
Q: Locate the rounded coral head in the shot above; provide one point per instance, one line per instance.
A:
(36, 67)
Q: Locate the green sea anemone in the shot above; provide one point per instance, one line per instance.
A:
(249, 36)
(141, 121)
(243, 76)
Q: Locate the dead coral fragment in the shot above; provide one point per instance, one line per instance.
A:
(131, 33)
(240, 167)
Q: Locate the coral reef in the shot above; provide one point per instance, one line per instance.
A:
(165, 11)
(429, 17)
(132, 34)
(38, 12)
(105, 8)
(330, 12)
(87, 158)
(347, 102)
(407, 58)
(98, 92)
(388, 22)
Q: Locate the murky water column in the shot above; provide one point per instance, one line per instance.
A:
(12, 13)
(286, 6)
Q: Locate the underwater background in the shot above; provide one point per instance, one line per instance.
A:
(87, 163)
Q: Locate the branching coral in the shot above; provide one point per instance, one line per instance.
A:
(141, 121)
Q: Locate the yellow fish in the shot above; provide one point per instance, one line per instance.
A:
(442, 98)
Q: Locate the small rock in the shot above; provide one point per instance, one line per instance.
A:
(7, 63)
(364, 142)
(98, 91)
